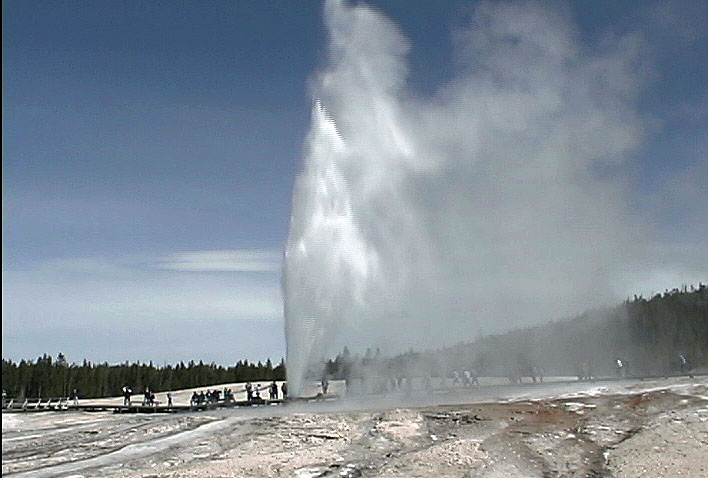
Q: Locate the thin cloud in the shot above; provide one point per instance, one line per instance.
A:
(238, 260)
(93, 292)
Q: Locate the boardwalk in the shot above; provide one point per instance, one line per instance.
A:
(63, 405)
(115, 404)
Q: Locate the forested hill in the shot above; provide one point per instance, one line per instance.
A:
(49, 378)
(648, 333)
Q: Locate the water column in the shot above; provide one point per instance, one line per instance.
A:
(313, 254)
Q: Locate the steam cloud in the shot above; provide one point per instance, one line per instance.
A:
(425, 221)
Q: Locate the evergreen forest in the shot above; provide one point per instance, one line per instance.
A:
(48, 378)
(648, 334)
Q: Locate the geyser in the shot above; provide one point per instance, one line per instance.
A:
(323, 238)
(421, 221)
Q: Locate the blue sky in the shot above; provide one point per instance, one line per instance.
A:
(150, 149)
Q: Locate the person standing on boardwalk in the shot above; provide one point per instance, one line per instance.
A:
(619, 368)
(126, 396)
(249, 391)
(284, 389)
(169, 399)
(75, 396)
(146, 397)
(474, 377)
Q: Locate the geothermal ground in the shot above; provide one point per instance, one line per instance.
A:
(624, 429)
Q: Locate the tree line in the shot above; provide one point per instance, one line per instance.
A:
(49, 378)
(648, 334)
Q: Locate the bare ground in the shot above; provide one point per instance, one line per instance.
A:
(651, 429)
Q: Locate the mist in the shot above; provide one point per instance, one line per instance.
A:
(499, 201)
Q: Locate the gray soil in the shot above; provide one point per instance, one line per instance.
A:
(652, 429)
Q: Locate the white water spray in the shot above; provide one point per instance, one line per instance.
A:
(419, 222)
(324, 245)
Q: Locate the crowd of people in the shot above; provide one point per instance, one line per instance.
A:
(253, 394)
(212, 396)
(466, 378)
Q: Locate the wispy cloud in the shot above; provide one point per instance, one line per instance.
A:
(98, 291)
(239, 260)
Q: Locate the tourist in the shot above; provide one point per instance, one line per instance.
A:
(273, 391)
(684, 365)
(126, 396)
(619, 366)
(169, 399)
(249, 391)
(146, 397)
(585, 370)
(474, 377)
(284, 390)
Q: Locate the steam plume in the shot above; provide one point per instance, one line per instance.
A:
(424, 221)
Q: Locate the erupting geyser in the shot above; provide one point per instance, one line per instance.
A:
(324, 247)
(421, 221)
